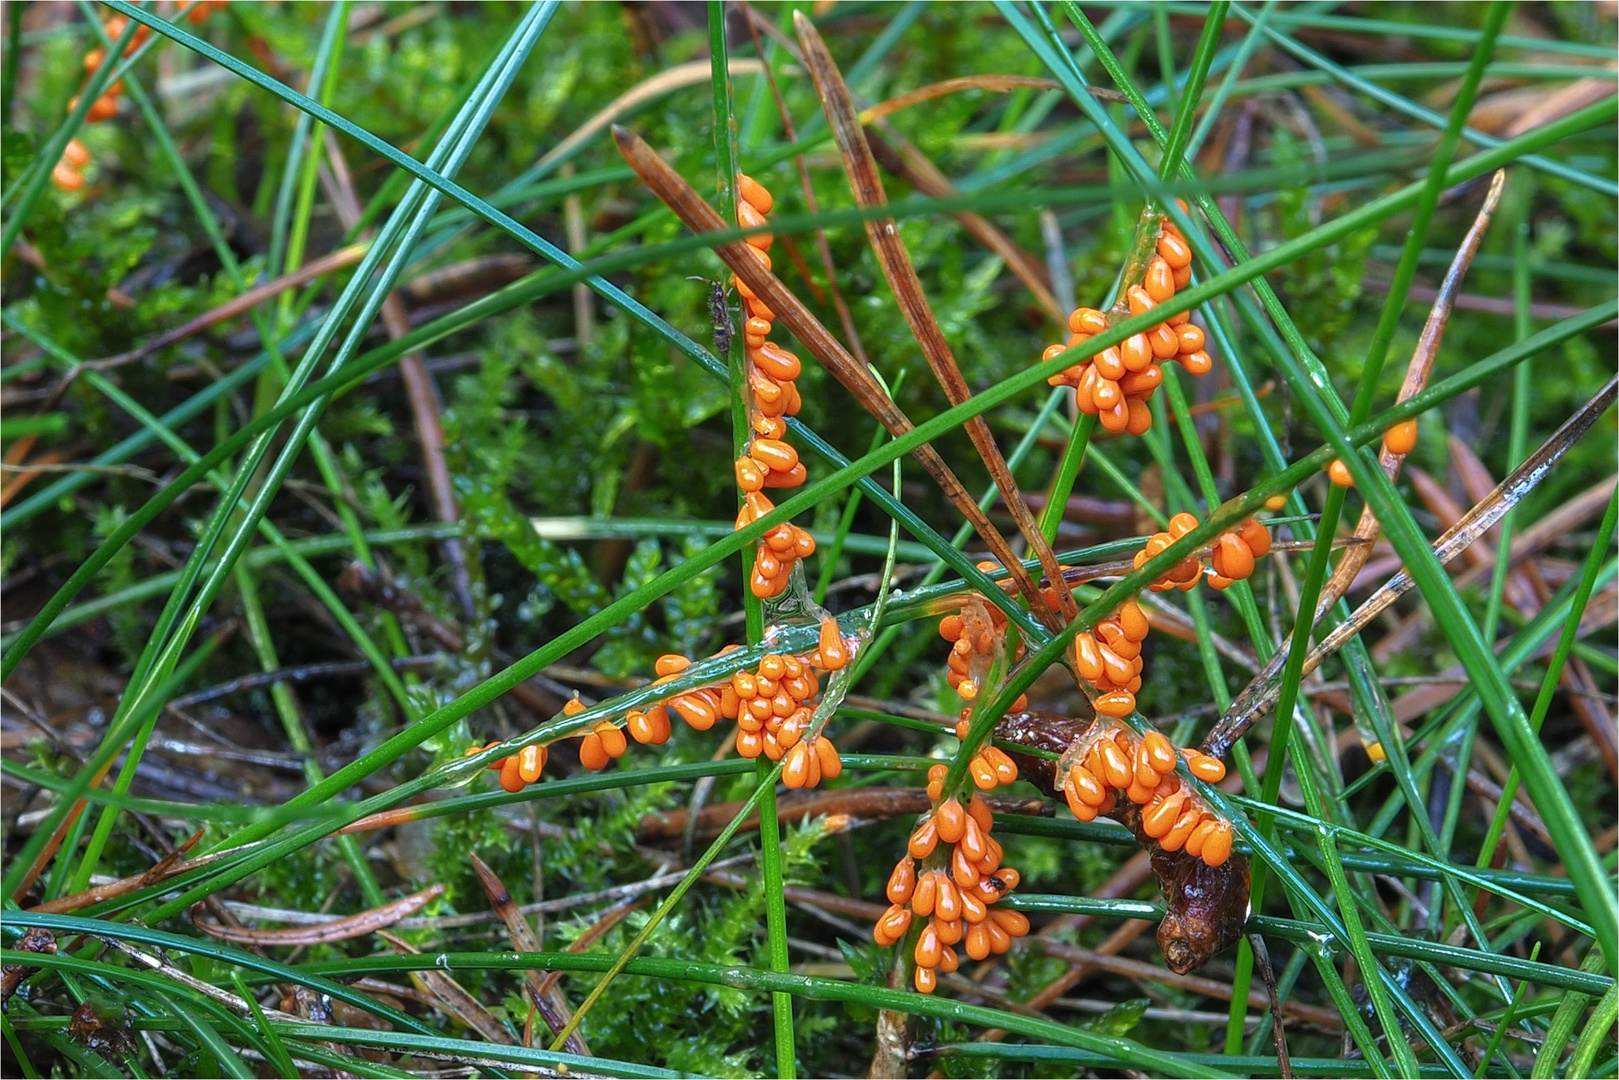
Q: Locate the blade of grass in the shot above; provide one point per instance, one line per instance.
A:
(1595, 1036)
(1554, 669)
(1238, 63)
(1180, 133)
(276, 1050)
(211, 1044)
(1568, 1014)
(303, 156)
(1320, 559)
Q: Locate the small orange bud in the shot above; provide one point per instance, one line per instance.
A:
(1402, 437)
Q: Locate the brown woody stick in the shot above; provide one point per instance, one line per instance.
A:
(352, 926)
(548, 999)
(895, 260)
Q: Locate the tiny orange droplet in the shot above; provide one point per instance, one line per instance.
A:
(1402, 437)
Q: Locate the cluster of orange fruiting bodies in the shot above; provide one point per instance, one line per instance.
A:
(951, 874)
(772, 706)
(975, 633)
(69, 172)
(1115, 385)
(770, 461)
(1109, 658)
(1232, 555)
(1111, 760)
(956, 887)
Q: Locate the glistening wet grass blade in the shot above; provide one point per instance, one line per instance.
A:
(1319, 565)
(1554, 668)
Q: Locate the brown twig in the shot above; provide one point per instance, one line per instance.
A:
(905, 161)
(451, 996)
(843, 905)
(156, 962)
(297, 674)
(1274, 998)
(1196, 984)
(361, 580)
(895, 260)
(1528, 592)
(1416, 377)
(695, 213)
(994, 84)
(901, 157)
(326, 264)
(1526, 544)
(598, 930)
(341, 929)
(552, 1005)
(1544, 310)
(26, 473)
(113, 889)
(681, 75)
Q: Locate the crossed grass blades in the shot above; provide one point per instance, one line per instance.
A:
(195, 438)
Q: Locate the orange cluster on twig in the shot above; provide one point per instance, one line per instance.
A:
(976, 633)
(951, 875)
(1232, 554)
(772, 714)
(1111, 760)
(1115, 385)
(1109, 658)
(770, 461)
(69, 172)
(772, 706)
